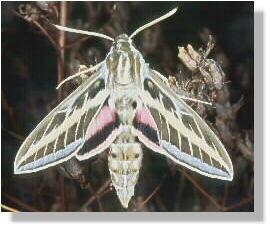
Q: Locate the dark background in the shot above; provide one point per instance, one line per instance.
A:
(31, 67)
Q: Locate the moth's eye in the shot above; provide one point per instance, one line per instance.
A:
(137, 155)
(115, 170)
(134, 104)
(113, 155)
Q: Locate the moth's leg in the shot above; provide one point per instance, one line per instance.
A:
(83, 70)
(83, 76)
(74, 170)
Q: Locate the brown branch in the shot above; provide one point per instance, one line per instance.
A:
(179, 195)
(97, 195)
(160, 203)
(98, 198)
(8, 108)
(240, 204)
(213, 200)
(5, 207)
(152, 194)
(43, 30)
(202, 190)
(77, 42)
(14, 134)
(61, 51)
(62, 192)
(19, 203)
(225, 196)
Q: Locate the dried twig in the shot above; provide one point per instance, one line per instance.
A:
(7, 107)
(160, 204)
(94, 197)
(19, 203)
(150, 196)
(181, 186)
(240, 204)
(61, 42)
(43, 30)
(5, 207)
(14, 134)
(225, 196)
(62, 192)
(213, 200)
(98, 197)
(202, 190)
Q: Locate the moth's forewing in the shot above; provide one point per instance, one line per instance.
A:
(184, 136)
(61, 133)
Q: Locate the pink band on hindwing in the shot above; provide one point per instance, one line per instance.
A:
(146, 125)
(100, 133)
(144, 116)
(105, 117)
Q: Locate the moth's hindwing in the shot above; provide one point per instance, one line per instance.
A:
(101, 132)
(183, 136)
(62, 132)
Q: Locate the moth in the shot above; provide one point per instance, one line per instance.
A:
(123, 106)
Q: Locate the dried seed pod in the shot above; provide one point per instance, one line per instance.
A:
(197, 62)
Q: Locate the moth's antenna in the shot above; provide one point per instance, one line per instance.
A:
(66, 29)
(153, 22)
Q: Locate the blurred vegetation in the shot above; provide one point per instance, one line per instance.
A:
(33, 64)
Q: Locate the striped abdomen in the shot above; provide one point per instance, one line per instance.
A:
(124, 164)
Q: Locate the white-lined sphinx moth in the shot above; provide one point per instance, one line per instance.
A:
(121, 106)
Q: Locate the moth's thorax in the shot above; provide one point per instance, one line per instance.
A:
(124, 63)
(125, 102)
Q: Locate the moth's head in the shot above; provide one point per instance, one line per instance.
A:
(122, 43)
(122, 38)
